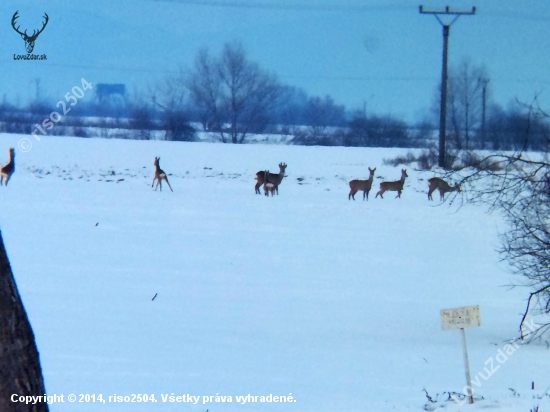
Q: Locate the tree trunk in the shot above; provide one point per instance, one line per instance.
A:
(20, 372)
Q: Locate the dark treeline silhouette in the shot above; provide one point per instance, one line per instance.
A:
(232, 99)
(475, 121)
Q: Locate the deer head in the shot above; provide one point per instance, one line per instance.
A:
(29, 40)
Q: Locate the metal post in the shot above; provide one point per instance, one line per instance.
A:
(467, 365)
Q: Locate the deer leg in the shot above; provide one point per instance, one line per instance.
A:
(168, 183)
(152, 184)
(379, 193)
(351, 195)
(1, 179)
(398, 194)
(6, 181)
(257, 186)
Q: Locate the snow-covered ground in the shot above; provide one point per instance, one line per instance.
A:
(333, 302)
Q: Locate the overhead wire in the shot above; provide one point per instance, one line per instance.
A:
(288, 6)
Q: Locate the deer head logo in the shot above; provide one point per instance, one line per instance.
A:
(29, 40)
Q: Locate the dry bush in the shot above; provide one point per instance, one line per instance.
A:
(425, 160)
(400, 160)
(474, 160)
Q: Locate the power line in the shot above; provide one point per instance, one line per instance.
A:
(111, 68)
(515, 16)
(289, 7)
(498, 80)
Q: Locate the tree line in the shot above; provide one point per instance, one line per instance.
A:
(233, 98)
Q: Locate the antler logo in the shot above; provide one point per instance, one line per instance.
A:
(29, 40)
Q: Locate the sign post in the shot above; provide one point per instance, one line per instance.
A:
(461, 318)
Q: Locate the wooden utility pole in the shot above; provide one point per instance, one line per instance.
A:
(443, 107)
(20, 372)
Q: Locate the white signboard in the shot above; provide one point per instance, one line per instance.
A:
(460, 318)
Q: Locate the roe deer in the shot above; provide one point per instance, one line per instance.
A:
(442, 186)
(268, 186)
(7, 170)
(159, 175)
(396, 186)
(276, 179)
(364, 185)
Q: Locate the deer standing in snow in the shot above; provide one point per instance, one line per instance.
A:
(442, 186)
(276, 179)
(7, 170)
(159, 175)
(268, 186)
(364, 185)
(396, 186)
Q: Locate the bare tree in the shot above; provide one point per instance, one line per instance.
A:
(169, 97)
(518, 186)
(465, 102)
(20, 372)
(141, 116)
(205, 91)
(466, 98)
(233, 93)
(322, 113)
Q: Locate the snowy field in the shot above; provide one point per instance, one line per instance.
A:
(333, 302)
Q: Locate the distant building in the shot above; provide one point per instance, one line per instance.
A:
(110, 92)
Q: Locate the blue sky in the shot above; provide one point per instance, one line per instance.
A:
(383, 54)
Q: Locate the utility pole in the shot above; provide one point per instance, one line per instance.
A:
(443, 107)
(484, 82)
(37, 83)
